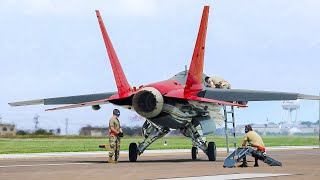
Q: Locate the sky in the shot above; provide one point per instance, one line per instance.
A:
(53, 48)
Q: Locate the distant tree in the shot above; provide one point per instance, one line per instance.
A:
(308, 123)
(58, 131)
(131, 131)
(284, 133)
(22, 132)
(42, 132)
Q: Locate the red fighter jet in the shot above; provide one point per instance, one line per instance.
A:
(182, 102)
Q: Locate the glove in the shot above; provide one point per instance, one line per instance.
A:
(120, 134)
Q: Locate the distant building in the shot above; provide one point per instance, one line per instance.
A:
(94, 131)
(283, 129)
(8, 129)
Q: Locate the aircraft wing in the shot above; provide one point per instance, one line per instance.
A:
(231, 95)
(65, 100)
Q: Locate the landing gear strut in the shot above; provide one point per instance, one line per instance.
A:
(147, 128)
(210, 150)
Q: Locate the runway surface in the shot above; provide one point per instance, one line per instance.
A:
(297, 164)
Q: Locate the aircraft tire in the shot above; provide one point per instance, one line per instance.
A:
(133, 152)
(194, 153)
(212, 151)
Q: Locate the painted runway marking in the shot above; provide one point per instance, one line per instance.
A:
(35, 165)
(147, 152)
(229, 176)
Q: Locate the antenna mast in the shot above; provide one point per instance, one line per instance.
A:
(36, 121)
(67, 121)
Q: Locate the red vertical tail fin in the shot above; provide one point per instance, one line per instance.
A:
(194, 80)
(120, 78)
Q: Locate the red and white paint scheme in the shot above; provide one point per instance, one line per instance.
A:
(182, 102)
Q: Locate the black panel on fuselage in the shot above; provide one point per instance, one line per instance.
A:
(167, 120)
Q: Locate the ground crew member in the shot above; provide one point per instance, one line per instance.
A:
(217, 82)
(254, 140)
(114, 138)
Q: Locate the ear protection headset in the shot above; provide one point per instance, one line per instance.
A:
(246, 130)
(116, 112)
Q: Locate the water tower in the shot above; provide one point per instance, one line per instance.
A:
(291, 106)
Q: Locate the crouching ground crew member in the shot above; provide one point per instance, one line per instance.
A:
(217, 82)
(114, 138)
(253, 140)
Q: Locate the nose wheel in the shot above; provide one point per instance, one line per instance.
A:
(212, 151)
(133, 152)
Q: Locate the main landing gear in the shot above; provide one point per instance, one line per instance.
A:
(189, 131)
(210, 150)
(133, 152)
(147, 128)
(194, 153)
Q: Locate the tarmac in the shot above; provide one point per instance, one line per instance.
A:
(298, 163)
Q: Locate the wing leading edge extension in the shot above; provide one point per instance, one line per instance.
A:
(252, 95)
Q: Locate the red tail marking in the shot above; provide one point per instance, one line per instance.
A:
(120, 78)
(194, 80)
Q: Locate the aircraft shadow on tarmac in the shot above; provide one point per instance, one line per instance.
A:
(155, 161)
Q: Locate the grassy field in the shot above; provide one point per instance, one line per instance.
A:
(35, 144)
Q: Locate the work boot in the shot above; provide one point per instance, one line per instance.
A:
(110, 160)
(116, 158)
(244, 164)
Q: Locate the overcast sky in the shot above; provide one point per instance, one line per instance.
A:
(53, 48)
